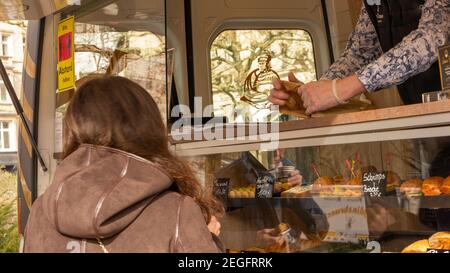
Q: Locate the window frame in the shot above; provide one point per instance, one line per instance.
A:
(318, 39)
(11, 136)
(5, 42)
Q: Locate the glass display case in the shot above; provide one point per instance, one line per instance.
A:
(372, 181)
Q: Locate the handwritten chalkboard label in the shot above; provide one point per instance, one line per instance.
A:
(431, 250)
(444, 65)
(221, 187)
(374, 183)
(264, 185)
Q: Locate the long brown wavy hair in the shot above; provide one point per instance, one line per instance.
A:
(115, 112)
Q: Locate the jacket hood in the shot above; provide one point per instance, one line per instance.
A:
(98, 191)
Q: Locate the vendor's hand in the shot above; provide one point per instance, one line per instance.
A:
(266, 237)
(295, 178)
(214, 226)
(318, 96)
(278, 96)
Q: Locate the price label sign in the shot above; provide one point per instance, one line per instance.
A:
(66, 51)
(374, 183)
(431, 250)
(444, 65)
(221, 187)
(264, 185)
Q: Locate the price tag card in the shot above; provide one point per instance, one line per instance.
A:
(374, 183)
(431, 250)
(264, 185)
(444, 64)
(221, 187)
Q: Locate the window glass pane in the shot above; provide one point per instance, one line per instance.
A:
(131, 47)
(243, 63)
(6, 139)
(5, 125)
(3, 92)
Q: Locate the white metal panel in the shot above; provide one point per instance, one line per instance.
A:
(47, 96)
(325, 141)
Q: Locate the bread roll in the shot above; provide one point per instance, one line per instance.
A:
(417, 247)
(440, 240)
(338, 180)
(352, 190)
(411, 186)
(324, 181)
(354, 182)
(432, 186)
(325, 185)
(445, 188)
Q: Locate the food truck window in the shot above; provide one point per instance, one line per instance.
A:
(243, 63)
(137, 55)
(124, 38)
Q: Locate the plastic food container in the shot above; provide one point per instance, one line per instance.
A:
(436, 96)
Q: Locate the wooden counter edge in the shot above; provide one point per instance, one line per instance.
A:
(397, 112)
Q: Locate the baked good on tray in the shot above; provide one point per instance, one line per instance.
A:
(440, 240)
(412, 186)
(296, 192)
(432, 186)
(324, 181)
(417, 247)
(445, 188)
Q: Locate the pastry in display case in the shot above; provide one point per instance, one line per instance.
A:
(242, 192)
(438, 242)
(432, 186)
(297, 192)
(445, 188)
(411, 187)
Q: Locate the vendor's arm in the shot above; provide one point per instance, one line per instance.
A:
(415, 54)
(362, 48)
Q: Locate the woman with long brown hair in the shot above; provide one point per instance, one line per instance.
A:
(119, 188)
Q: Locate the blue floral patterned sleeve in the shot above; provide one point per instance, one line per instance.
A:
(415, 54)
(362, 48)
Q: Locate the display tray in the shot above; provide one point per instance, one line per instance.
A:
(337, 248)
(390, 201)
(234, 203)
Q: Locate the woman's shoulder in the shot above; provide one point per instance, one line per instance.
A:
(177, 200)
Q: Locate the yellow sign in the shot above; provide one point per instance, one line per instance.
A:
(66, 51)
